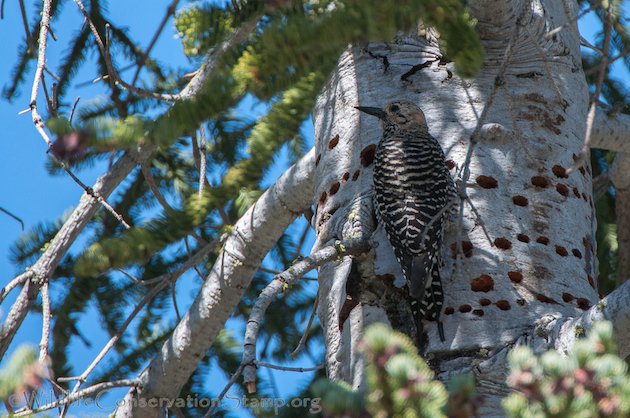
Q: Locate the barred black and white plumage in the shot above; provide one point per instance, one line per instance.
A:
(412, 187)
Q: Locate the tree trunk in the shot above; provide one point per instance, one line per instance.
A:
(541, 263)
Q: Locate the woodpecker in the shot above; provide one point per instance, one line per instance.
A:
(412, 189)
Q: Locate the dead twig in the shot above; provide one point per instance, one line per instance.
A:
(113, 77)
(13, 216)
(202, 160)
(590, 118)
(304, 337)
(85, 393)
(281, 282)
(162, 281)
(46, 315)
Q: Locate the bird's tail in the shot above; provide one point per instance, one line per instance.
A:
(430, 306)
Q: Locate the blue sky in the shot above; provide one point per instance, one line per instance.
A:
(30, 193)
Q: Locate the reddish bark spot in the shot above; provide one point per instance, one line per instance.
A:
(540, 181)
(587, 244)
(522, 238)
(333, 142)
(542, 240)
(575, 157)
(483, 283)
(465, 308)
(467, 249)
(322, 198)
(562, 189)
(583, 304)
(367, 155)
(450, 164)
(355, 176)
(520, 201)
(576, 253)
(559, 171)
(567, 297)
(487, 182)
(503, 243)
(485, 302)
(319, 157)
(576, 192)
(334, 188)
(515, 276)
(591, 281)
(345, 177)
(560, 250)
(504, 305)
(584, 197)
(449, 310)
(544, 299)
(583, 171)
(520, 302)
(478, 312)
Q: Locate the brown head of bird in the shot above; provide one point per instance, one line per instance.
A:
(401, 114)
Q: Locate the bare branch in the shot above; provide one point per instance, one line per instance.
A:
(27, 31)
(170, 11)
(304, 337)
(281, 282)
(162, 281)
(85, 393)
(258, 230)
(570, 20)
(74, 107)
(37, 119)
(298, 249)
(202, 160)
(13, 216)
(590, 118)
(227, 387)
(57, 248)
(46, 315)
(41, 62)
(113, 77)
(174, 297)
(148, 176)
(289, 369)
(474, 137)
(17, 281)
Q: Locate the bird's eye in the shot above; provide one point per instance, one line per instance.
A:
(394, 108)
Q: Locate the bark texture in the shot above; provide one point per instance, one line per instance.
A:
(541, 221)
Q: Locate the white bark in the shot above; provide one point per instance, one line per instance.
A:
(620, 178)
(614, 308)
(253, 236)
(542, 222)
(613, 133)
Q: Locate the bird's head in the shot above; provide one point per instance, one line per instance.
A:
(402, 114)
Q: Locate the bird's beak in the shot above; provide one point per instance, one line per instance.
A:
(374, 111)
